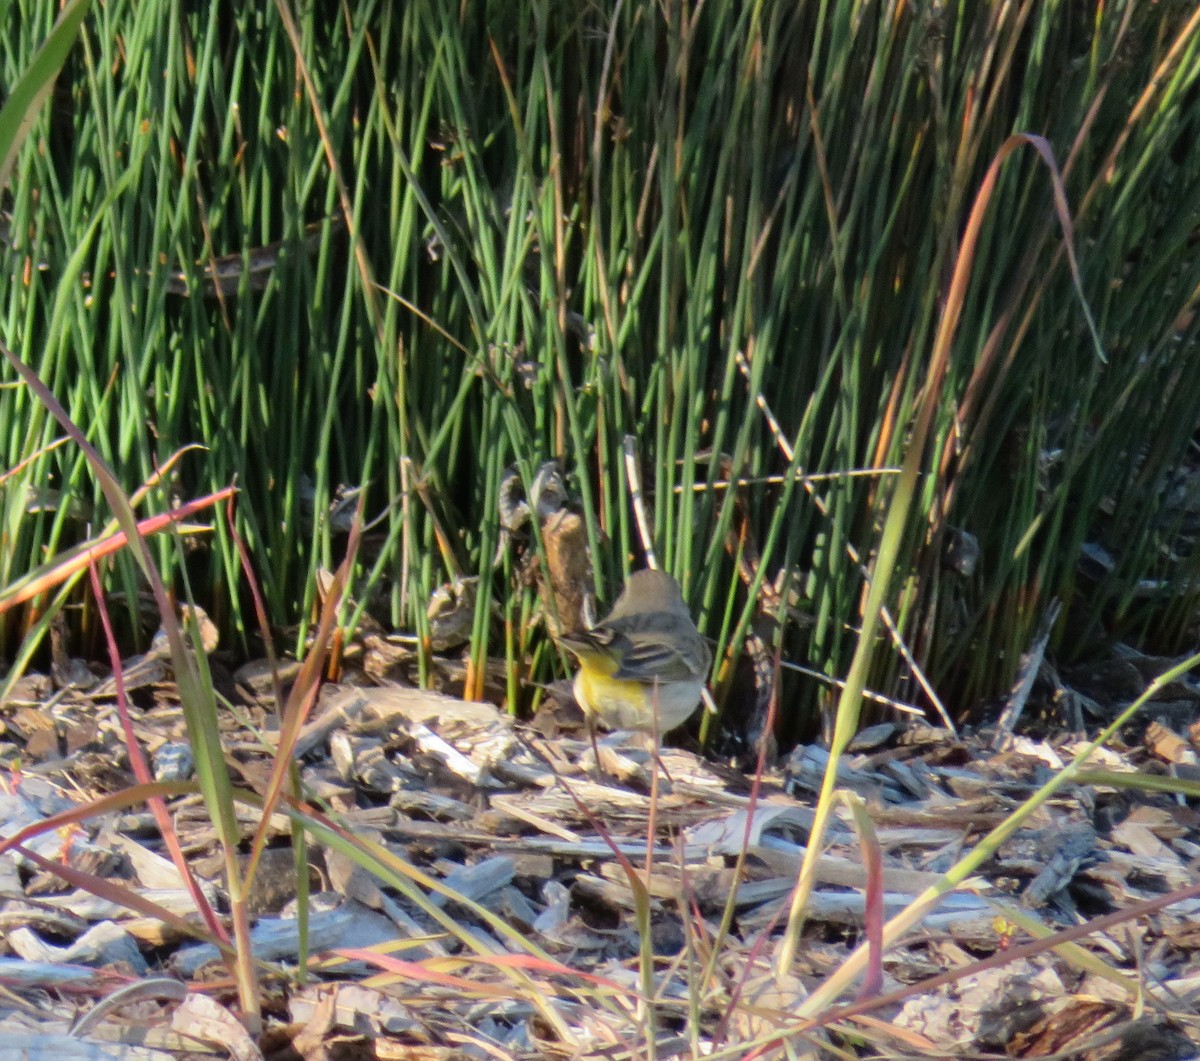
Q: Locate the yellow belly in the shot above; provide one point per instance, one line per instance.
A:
(622, 704)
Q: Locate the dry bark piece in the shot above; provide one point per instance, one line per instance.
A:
(1089, 1029)
(203, 1018)
(258, 679)
(349, 706)
(451, 613)
(770, 1003)
(570, 566)
(354, 1008)
(22, 1045)
(386, 662)
(478, 880)
(1141, 840)
(364, 760)
(277, 938)
(103, 944)
(42, 745)
(990, 1007)
(32, 689)
(27, 722)
(1168, 745)
(137, 672)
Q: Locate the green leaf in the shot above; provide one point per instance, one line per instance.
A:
(25, 100)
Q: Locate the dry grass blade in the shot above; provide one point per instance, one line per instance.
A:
(73, 561)
(141, 770)
(302, 696)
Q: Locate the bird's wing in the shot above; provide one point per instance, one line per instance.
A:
(588, 642)
(645, 658)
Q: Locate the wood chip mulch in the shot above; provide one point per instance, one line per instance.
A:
(510, 833)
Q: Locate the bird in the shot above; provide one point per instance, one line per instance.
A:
(643, 667)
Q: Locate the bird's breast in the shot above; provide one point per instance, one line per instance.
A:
(620, 703)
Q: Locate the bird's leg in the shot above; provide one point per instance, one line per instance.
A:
(655, 738)
(591, 725)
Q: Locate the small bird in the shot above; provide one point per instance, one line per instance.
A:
(643, 667)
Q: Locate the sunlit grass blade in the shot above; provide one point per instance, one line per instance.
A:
(23, 106)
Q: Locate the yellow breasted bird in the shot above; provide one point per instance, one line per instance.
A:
(643, 667)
